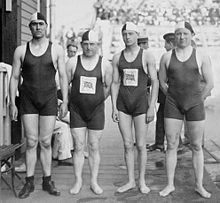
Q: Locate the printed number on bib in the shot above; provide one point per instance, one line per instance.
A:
(87, 85)
(130, 77)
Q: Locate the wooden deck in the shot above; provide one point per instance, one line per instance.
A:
(113, 174)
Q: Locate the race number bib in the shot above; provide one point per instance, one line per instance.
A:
(130, 77)
(87, 85)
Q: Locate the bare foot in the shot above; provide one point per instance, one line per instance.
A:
(76, 188)
(144, 189)
(96, 189)
(126, 187)
(203, 193)
(166, 191)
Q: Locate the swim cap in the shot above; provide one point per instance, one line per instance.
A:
(37, 16)
(186, 25)
(130, 26)
(90, 35)
(169, 37)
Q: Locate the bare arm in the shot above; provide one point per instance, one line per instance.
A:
(115, 87)
(163, 74)
(14, 80)
(108, 71)
(151, 70)
(206, 69)
(62, 74)
(63, 79)
(151, 67)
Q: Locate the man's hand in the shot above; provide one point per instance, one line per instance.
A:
(13, 112)
(63, 110)
(115, 116)
(150, 115)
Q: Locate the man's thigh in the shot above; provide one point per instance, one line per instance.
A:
(30, 123)
(46, 126)
(172, 129)
(140, 128)
(125, 126)
(195, 130)
(79, 135)
(94, 136)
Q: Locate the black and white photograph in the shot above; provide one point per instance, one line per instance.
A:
(114, 101)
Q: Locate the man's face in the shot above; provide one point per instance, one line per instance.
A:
(38, 28)
(144, 45)
(129, 37)
(183, 37)
(71, 51)
(168, 45)
(90, 48)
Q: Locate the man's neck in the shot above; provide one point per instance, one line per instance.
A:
(132, 48)
(39, 41)
(89, 58)
(184, 49)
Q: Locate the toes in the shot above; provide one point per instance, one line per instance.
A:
(145, 190)
(96, 189)
(203, 193)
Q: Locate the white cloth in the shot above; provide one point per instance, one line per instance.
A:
(8, 69)
(63, 141)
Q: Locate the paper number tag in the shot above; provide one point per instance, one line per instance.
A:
(130, 77)
(87, 85)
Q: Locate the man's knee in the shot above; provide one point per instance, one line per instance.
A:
(129, 146)
(140, 146)
(94, 146)
(172, 143)
(196, 147)
(78, 146)
(45, 142)
(31, 142)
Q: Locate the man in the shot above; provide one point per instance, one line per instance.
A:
(71, 49)
(143, 42)
(169, 44)
(63, 141)
(91, 77)
(185, 68)
(129, 101)
(37, 62)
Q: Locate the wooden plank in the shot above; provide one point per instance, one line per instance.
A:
(27, 7)
(25, 30)
(25, 22)
(30, 3)
(25, 38)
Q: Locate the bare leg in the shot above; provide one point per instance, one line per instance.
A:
(140, 132)
(94, 137)
(46, 128)
(125, 126)
(30, 123)
(196, 131)
(79, 135)
(172, 129)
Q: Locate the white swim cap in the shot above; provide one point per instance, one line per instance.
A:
(130, 26)
(90, 35)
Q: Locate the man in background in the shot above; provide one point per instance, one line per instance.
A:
(169, 44)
